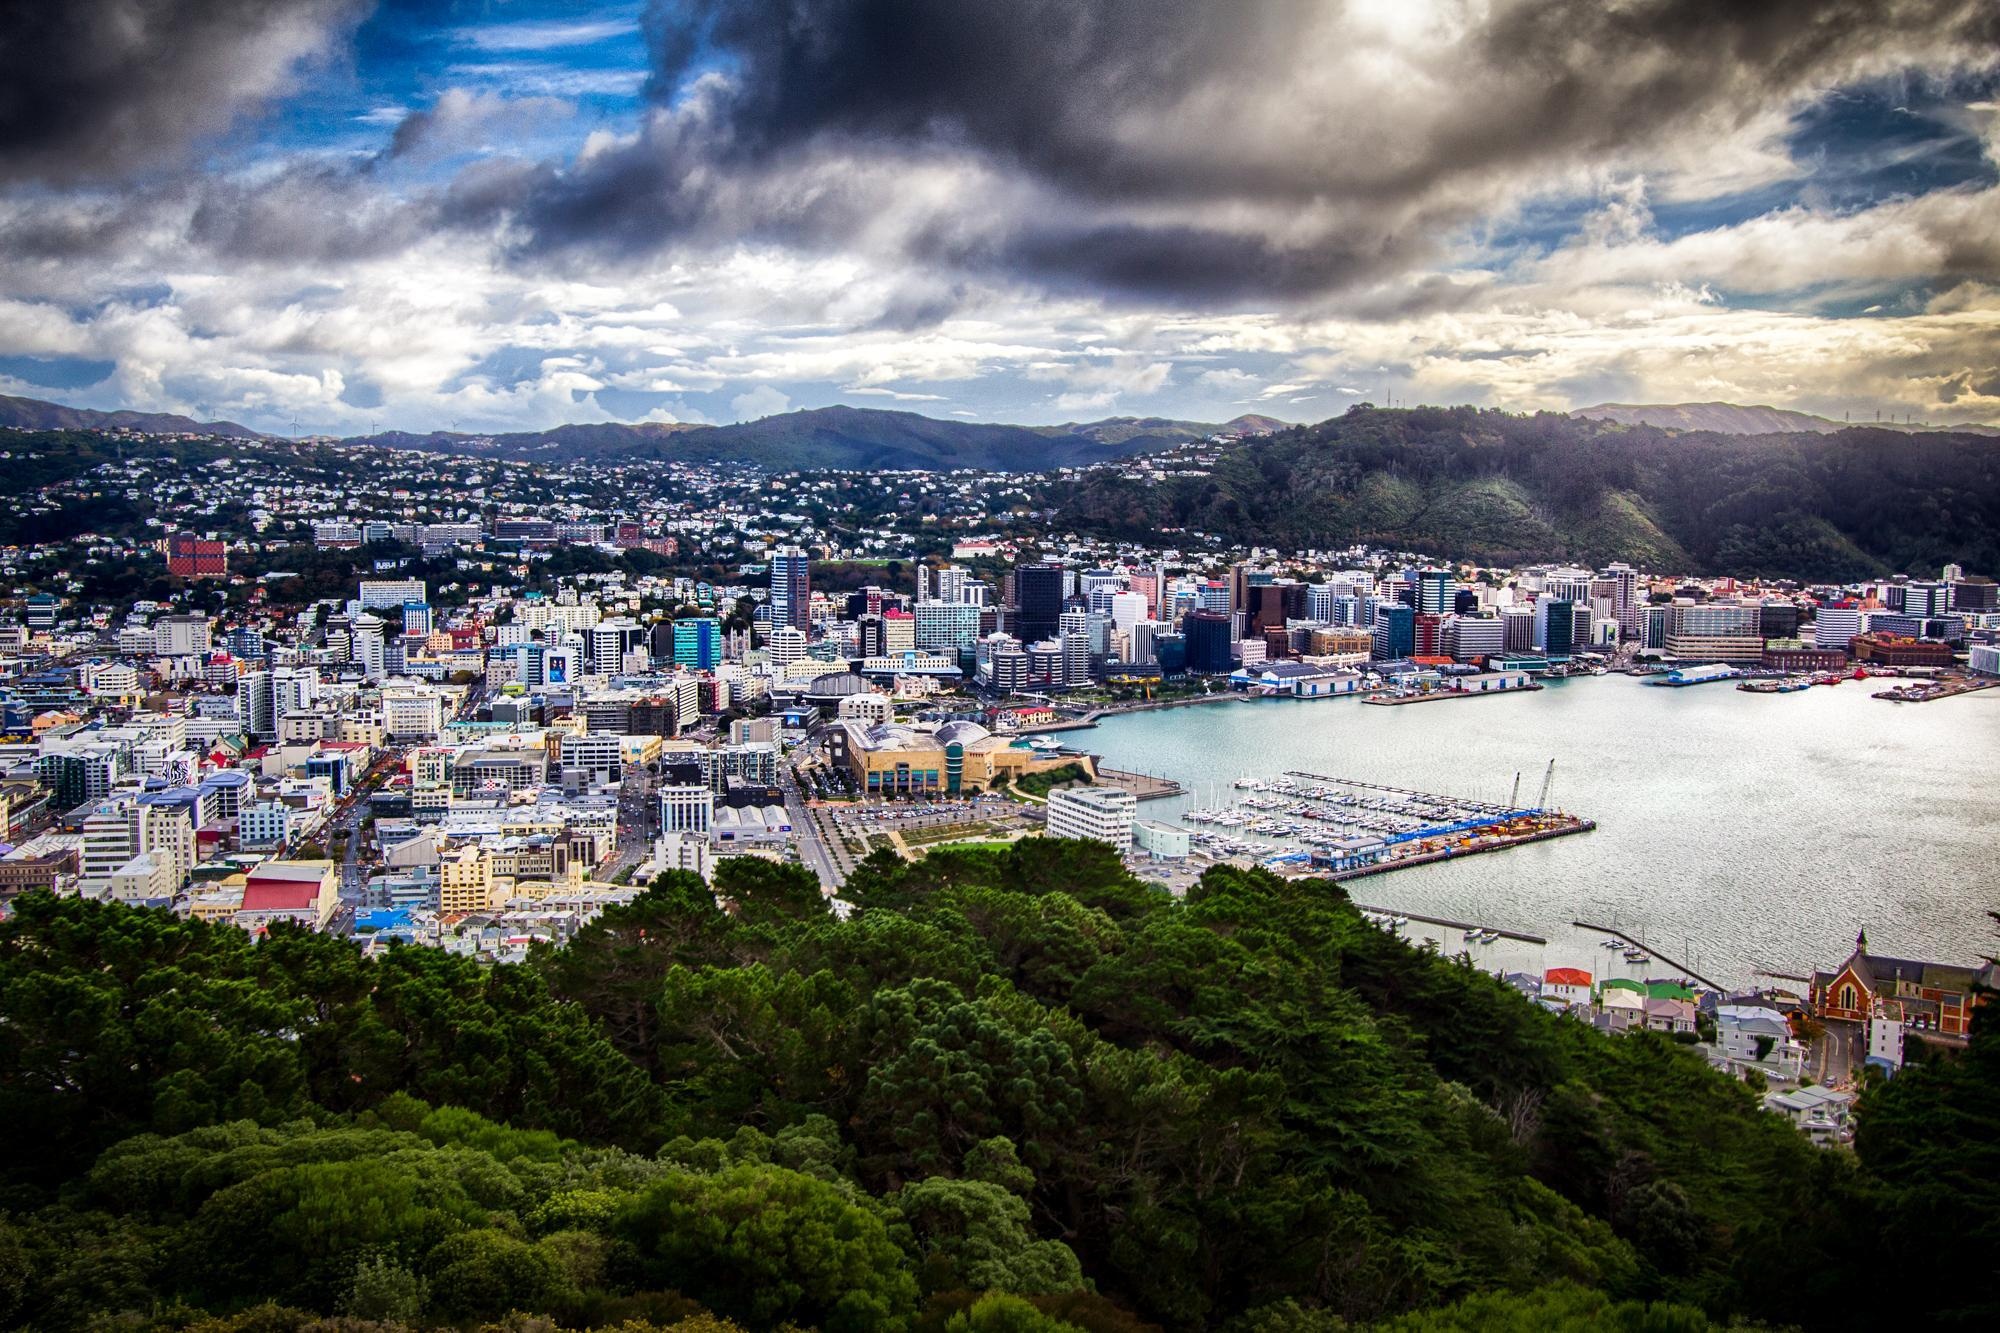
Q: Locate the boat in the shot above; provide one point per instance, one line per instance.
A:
(1635, 956)
(1790, 685)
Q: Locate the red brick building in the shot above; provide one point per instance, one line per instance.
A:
(1934, 998)
(1804, 659)
(1895, 650)
(190, 557)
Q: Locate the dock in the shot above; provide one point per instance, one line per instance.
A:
(1449, 924)
(1651, 952)
(1143, 786)
(1459, 853)
(1923, 692)
(1432, 696)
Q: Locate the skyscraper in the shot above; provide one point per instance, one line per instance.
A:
(1555, 625)
(1039, 590)
(1208, 645)
(791, 588)
(1434, 591)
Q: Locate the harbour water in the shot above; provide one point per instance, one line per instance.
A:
(1738, 832)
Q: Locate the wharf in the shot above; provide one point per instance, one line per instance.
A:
(1449, 924)
(1498, 844)
(1090, 718)
(1391, 700)
(1923, 692)
(1143, 786)
(1651, 952)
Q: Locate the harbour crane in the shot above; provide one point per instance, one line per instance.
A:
(1548, 781)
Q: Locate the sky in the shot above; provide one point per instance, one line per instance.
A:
(334, 216)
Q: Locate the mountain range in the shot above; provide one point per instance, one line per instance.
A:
(854, 438)
(1738, 419)
(842, 437)
(34, 414)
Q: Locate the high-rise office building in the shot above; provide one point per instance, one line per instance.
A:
(1395, 631)
(945, 625)
(1434, 591)
(698, 643)
(1555, 625)
(1208, 642)
(791, 588)
(1038, 590)
(1836, 625)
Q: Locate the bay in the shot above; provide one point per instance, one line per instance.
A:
(1739, 832)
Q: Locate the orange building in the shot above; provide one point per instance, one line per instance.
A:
(1895, 650)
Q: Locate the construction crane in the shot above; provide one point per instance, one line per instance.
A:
(1548, 781)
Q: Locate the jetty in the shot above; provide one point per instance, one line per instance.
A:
(1651, 952)
(1143, 786)
(1519, 937)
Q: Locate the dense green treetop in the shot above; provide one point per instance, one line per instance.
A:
(1015, 1089)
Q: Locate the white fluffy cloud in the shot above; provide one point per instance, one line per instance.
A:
(1392, 203)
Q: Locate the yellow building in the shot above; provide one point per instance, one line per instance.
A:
(892, 759)
(219, 901)
(465, 881)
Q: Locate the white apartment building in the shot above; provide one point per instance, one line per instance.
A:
(598, 757)
(1836, 626)
(689, 810)
(182, 636)
(412, 715)
(391, 594)
(1103, 813)
(263, 826)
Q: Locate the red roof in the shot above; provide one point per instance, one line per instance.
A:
(280, 896)
(1567, 976)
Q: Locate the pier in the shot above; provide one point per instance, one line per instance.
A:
(1432, 696)
(1457, 851)
(1924, 692)
(1143, 786)
(1515, 935)
(1651, 952)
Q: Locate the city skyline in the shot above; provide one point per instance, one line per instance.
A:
(330, 215)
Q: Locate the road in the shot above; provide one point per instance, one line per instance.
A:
(1841, 1051)
(813, 836)
(347, 817)
(636, 822)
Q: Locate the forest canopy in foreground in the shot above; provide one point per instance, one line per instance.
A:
(1016, 1090)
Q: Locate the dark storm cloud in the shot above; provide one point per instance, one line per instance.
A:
(1213, 153)
(91, 89)
(310, 213)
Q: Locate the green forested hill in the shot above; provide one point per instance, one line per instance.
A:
(1015, 1091)
(1494, 486)
(849, 438)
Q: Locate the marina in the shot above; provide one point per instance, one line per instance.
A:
(1348, 828)
(1711, 811)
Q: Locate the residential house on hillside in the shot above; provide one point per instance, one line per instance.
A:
(1571, 985)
